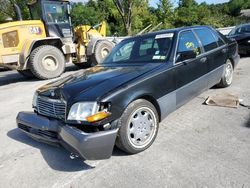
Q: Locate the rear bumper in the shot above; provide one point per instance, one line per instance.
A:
(90, 146)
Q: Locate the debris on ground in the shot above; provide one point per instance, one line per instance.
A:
(223, 100)
(244, 105)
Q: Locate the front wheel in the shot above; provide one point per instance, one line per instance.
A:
(139, 125)
(227, 77)
(47, 62)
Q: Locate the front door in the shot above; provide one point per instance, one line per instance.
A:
(189, 73)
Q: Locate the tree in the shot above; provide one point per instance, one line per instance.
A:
(93, 12)
(143, 16)
(235, 7)
(7, 9)
(85, 14)
(165, 13)
(128, 17)
(187, 3)
(125, 8)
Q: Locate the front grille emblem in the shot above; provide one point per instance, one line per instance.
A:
(52, 93)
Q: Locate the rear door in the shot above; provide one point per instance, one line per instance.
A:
(189, 74)
(216, 52)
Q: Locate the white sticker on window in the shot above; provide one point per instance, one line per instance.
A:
(161, 57)
(165, 35)
(156, 57)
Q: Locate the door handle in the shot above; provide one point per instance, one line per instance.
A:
(203, 60)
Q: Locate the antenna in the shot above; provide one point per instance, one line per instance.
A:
(145, 29)
(154, 28)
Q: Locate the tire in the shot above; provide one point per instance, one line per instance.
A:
(26, 73)
(102, 49)
(227, 77)
(47, 62)
(133, 127)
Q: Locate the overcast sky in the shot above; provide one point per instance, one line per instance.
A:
(153, 2)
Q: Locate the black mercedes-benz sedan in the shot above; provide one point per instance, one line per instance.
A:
(122, 100)
(241, 34)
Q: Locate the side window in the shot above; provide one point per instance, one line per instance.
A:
(238, 30)
(218, 39)
(245, 29)
(188, 42)
(35, 11)
(124, 52)
(56, 13)
(207, 39)
(146, 44)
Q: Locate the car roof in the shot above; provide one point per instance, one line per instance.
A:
(175, 30)
(241, 25)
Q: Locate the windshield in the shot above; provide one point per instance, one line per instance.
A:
(56, 12)
(240, 30)
(154, 48)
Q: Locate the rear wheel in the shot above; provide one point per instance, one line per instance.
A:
(47, 62)
(227, 77)
(102, 49)
(138, 127)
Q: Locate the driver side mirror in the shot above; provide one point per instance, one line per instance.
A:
(182, 56)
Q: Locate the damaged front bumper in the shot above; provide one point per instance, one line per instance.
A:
(90, 146)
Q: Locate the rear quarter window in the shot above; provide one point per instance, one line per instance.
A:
(207, 39)
(218, 38)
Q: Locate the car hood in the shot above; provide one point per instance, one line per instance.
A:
(93, 83)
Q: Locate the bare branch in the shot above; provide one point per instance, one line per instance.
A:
(125, 8)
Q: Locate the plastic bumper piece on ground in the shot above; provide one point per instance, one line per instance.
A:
(90, 146)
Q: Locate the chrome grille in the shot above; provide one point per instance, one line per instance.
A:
(51, 107)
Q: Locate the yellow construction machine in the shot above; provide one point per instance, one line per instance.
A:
(42, 46)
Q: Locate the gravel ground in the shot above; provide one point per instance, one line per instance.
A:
(197, 146)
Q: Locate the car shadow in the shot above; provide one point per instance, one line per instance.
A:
(56, 157)
(244, 56)
(11, 76)
(117, 152)
(247, 124)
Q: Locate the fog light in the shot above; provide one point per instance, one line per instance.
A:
(97, 117)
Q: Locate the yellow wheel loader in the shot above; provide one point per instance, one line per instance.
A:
(42, 46)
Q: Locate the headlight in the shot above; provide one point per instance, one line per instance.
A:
(80, 111)
(34, 101)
